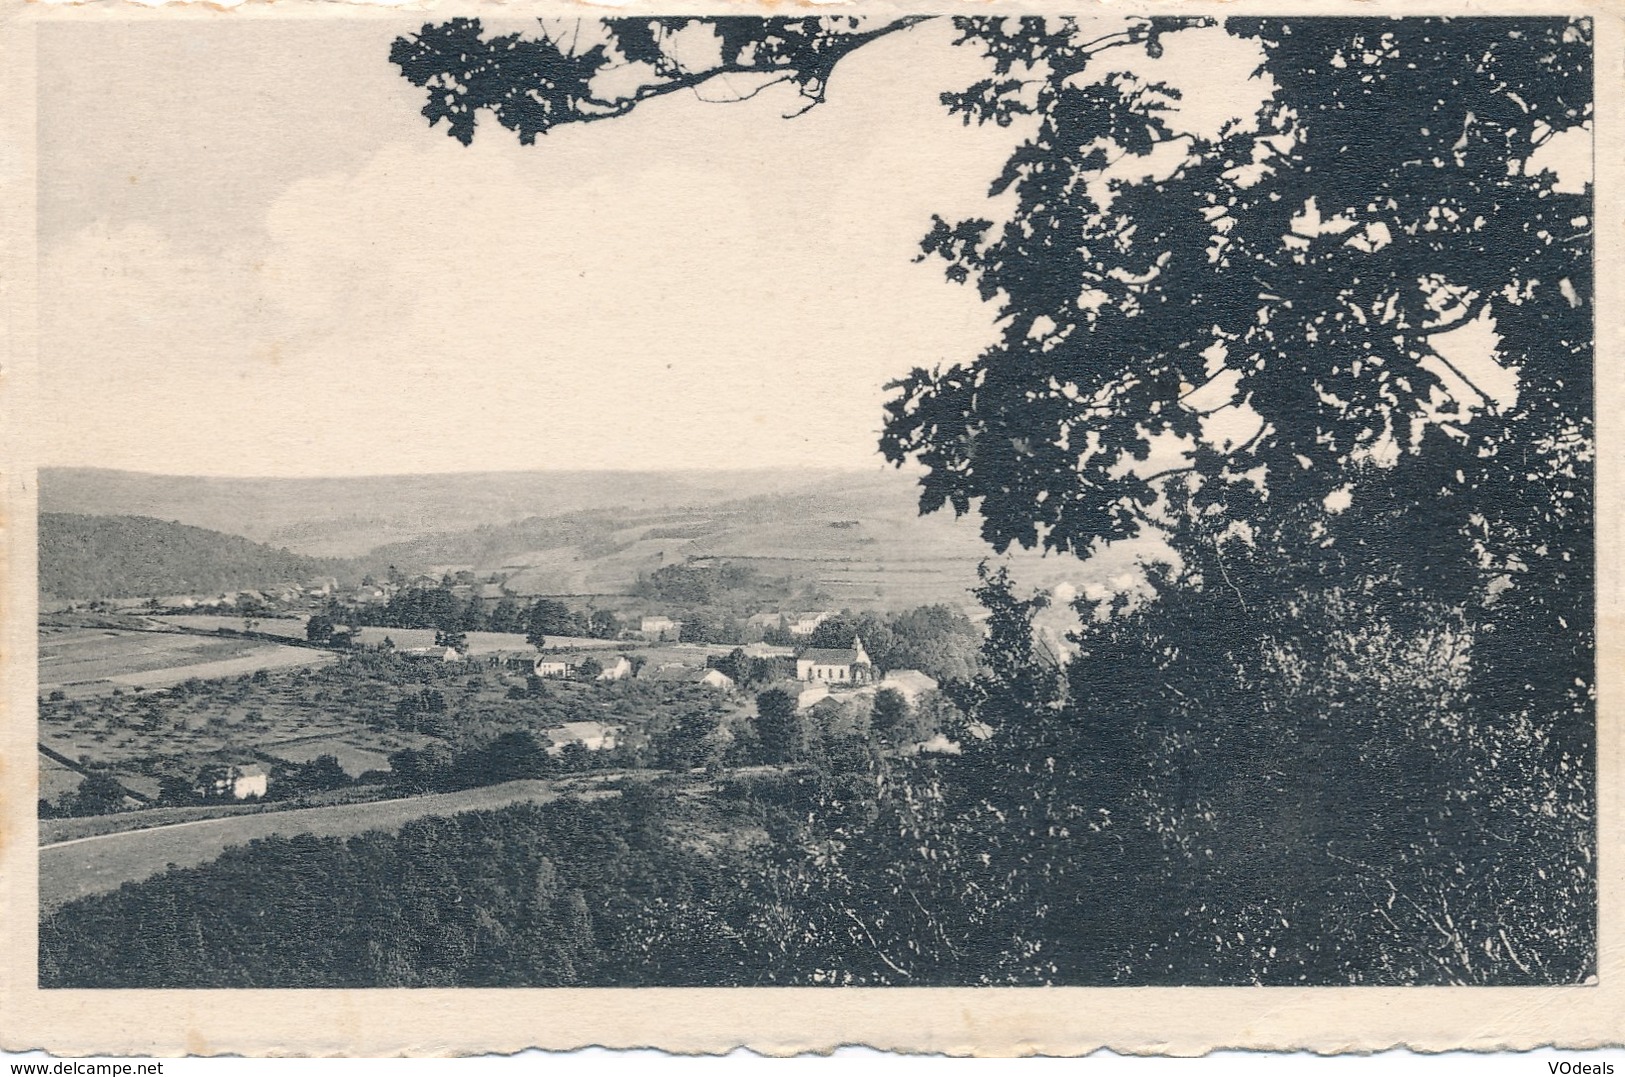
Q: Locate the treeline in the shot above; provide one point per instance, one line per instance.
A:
(722, 583)
(936, 640)
(89, 557)
(442, 609)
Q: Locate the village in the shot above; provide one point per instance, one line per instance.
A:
(298, 695)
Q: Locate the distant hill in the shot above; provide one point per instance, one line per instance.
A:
(86, 557)
(840, 538)
(349, 516)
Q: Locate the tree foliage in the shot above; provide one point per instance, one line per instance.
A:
(1366, 680)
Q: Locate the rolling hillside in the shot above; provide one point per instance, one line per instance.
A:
(856, 541)
(86, 557)
(350, 516)
(840, 538)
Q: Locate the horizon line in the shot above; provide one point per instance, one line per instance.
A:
(883, 467)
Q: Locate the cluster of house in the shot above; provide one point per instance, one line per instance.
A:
(657, 628)
(319, 589)
(819, 670)
(616, 667)
(288, 594)
(840, 674)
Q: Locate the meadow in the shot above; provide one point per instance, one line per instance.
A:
(87, 660)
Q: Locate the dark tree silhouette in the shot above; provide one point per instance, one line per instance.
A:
(780, 727)
(1381, 620)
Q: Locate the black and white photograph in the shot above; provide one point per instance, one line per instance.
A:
(819, 498)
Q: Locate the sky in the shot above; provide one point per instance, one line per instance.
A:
(256, 258)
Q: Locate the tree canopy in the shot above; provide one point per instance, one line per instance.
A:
(1337, 354)
(1301, 268)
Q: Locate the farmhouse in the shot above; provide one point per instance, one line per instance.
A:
(659, 628)
(239, 781)
(805, 624)
(555, 665)
(911, 684)
(710, 678)
(616, 669)
(431, 654)
(593, 736)
(835, 665)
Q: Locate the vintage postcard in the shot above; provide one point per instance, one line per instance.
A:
(979, 528)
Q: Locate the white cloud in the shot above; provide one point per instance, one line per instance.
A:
(691, 286)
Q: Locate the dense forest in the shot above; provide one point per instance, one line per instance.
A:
(566, 895)
(90, 557)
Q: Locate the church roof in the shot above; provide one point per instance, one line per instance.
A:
(830, 656)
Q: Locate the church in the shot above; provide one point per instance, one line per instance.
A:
(835, 665)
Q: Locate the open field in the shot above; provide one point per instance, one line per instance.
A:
(78, 655)
(100, 659)
(95, 865)
(289, 627)
(263, 656)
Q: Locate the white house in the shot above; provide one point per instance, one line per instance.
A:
(239, 781)
(554, 665)
(593, 736)
(805, 624)
(660, 628)
(431, 654)
(835, 665)
(911, 684)
(617, 669)
(710, 678)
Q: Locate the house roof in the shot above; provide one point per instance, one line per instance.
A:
(687, 674)
(909, 678)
